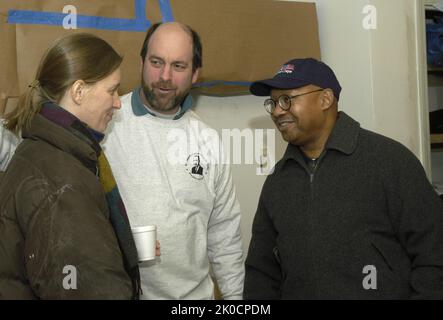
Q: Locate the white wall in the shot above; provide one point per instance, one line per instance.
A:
(345, 47)
(399, 75)
(241, 112)
(381, 72)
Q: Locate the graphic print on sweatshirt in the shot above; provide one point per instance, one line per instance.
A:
(196, 166)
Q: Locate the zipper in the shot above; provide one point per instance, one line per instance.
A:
(314, 168)
(312, 173)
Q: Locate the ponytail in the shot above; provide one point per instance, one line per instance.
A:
(29, 104)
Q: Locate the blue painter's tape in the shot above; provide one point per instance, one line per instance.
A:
(140, 10)
(211, 84)
(92, 22)
(33, 17)
(166, 9)
(140, 23)
(112, 24)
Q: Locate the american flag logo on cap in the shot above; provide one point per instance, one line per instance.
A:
(287, 68)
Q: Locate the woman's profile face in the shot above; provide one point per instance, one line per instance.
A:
(101, 101)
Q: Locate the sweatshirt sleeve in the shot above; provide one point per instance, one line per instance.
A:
(71, 251)
(224, 239)
(263, 272)
(8, 144)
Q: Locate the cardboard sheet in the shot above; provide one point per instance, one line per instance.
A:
(242, 40)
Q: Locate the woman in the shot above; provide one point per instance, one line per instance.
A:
(64, 233)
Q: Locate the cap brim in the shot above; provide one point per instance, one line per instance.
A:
(264, 87)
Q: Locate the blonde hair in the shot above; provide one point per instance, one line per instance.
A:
(79, 56)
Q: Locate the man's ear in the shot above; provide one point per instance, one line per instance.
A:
(327, 99)
(195, 75)
(78, 91)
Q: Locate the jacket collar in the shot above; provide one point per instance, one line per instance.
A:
(84, 150)
(343, 138)
(139, 109)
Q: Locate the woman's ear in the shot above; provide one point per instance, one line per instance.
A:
(78, 91)
(327, 99)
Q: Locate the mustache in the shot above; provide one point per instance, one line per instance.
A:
(283, 118)
(163, 85)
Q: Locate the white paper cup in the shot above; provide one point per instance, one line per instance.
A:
(145, 240)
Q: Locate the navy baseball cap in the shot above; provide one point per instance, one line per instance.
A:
(299, 73)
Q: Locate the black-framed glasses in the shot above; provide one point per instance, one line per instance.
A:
(284, 101)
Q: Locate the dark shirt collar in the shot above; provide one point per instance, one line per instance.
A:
(99, 136)
(343, 138)
(139, 108)
(63, 118)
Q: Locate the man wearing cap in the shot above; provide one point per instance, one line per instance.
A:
(347, 213)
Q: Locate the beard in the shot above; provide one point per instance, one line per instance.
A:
(163, 102)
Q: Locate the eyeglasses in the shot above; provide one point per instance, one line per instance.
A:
(284, 101)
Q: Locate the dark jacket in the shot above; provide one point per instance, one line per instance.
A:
(54, 218)
(367, 207)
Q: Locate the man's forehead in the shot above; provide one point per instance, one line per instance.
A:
(172, 45)
(172, 26)
(174, 32)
